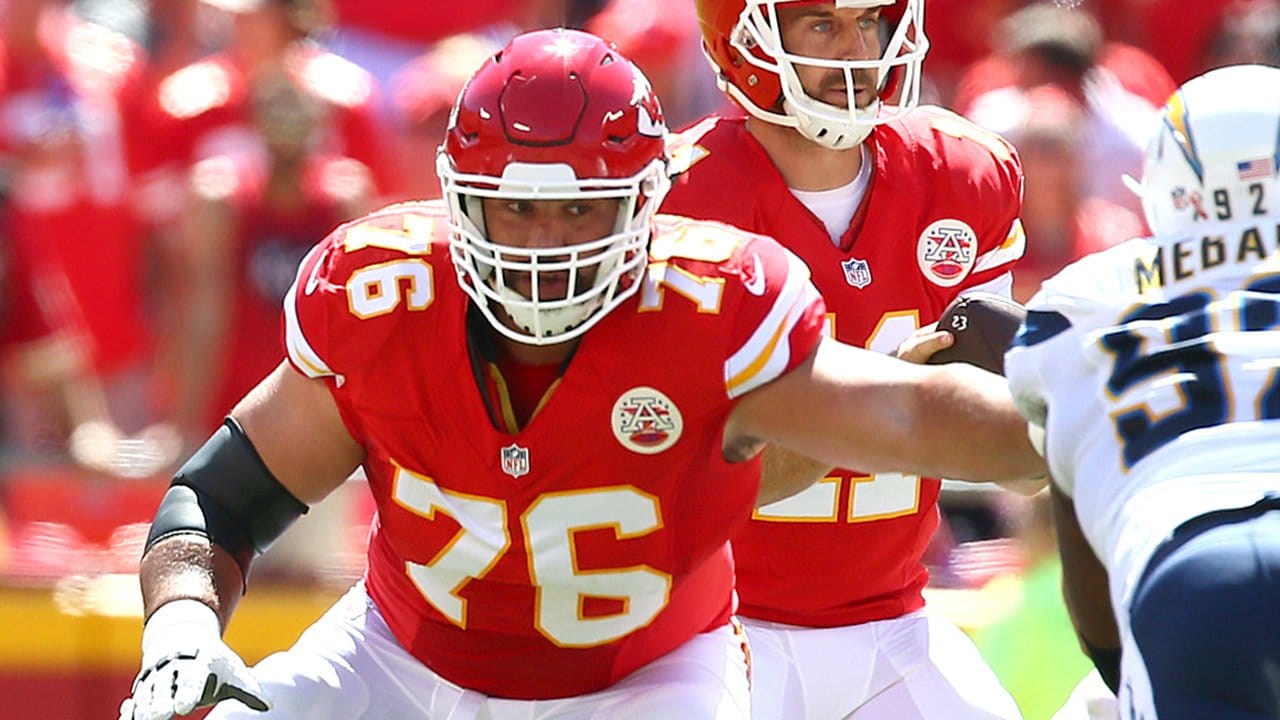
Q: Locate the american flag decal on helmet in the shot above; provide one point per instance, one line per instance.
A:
(1256, 169)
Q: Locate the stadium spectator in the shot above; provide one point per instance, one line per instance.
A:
(1050, 130)
(423, 93)
(174, 37)
(385, 36)
(1178, 33)
(409, 23)
(203, 109)
(1249, 33)
(1047, 44)
(955, 46)
(44, 363)
(663, 40)
(67, 203)
(252, 217)
(1060, 43)
(54, 408)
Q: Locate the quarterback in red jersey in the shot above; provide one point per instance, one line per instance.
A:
(558, 399)
(896, 211)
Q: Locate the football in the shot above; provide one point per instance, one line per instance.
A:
(984, 325)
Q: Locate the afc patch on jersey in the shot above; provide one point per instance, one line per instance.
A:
(645, 421)
(946, 251)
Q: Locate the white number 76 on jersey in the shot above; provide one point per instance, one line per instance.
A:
(548, 526)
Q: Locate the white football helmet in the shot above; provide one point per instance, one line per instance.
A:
(742, 40)
(1216, 152)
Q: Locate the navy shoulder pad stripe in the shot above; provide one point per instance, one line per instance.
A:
(1039, 326)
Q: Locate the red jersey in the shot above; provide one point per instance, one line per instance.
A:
(22, 319)
(1096, 225)
(204, 109)
(407, 21)
(270, 241)
(68, 208)
(552, 560)
(940, 215)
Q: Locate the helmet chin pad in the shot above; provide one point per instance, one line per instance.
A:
(537, 323)
(839, 134)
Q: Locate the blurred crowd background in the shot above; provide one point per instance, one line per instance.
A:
(164, 165)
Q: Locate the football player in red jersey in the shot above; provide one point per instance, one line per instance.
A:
(558, 399)
(896, 211)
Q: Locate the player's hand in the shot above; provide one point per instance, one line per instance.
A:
(186, 665)
(923, 343)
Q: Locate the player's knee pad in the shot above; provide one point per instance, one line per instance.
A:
(226, 493)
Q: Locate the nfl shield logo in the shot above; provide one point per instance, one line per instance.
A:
(856, 272)
(515, 460)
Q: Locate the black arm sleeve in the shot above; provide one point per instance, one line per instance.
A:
(226, 493)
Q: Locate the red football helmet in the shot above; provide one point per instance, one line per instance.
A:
(742, 40)
(555, 115)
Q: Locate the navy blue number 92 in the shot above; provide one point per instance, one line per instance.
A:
(1193, 359)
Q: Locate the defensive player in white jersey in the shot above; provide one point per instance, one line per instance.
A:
(558, 400)
(1152, 370)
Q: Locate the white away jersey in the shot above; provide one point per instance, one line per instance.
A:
(1151, 365)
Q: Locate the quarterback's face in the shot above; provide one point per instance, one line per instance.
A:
(825, 32)
(546, 224)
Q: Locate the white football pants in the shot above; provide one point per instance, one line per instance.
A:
(915, 667)
(348, 666)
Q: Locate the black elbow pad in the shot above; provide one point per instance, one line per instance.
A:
(226, 493)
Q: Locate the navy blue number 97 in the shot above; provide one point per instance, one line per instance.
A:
(1193, 359)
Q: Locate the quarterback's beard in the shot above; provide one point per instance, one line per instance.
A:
(833, 90)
